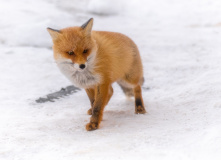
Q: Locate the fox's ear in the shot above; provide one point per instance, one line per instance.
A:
(54, 33)
(87, 27)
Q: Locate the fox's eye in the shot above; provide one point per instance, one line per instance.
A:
(85, 51)
(70, 53)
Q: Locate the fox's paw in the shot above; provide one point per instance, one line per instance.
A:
(89, 112)
(91, 126)
(140, 110)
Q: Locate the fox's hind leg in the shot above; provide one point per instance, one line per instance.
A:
(139, 105)
(131, 88)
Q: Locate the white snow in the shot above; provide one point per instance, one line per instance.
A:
(180, 47)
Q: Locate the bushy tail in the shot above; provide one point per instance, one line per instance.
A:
(129, 92)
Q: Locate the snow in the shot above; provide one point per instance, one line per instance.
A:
(180, 47)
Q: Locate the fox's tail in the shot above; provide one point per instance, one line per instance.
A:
(129, 92)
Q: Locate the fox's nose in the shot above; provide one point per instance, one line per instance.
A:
(82, 66)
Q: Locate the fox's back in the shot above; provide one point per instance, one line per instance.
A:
(117, 53)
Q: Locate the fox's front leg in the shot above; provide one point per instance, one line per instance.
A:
(101, 98)
(91, 95)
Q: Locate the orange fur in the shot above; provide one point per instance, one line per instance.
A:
(115, 59)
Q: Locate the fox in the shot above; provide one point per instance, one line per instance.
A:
(94, 60)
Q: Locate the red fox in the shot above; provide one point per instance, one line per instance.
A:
(93, 60)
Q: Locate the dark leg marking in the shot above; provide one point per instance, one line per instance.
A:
(138, 102)
(139, 107)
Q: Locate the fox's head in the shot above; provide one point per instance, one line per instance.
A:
(74, 45)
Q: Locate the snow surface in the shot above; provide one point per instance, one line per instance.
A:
(180, 47)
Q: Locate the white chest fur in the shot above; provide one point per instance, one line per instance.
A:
(80, 78)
